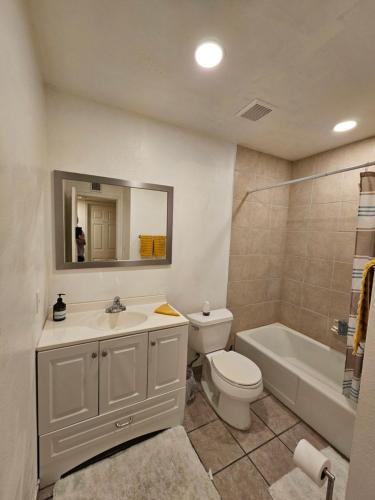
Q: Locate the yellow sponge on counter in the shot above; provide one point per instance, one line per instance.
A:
(167, 309)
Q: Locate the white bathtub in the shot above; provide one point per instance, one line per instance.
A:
(306, 376)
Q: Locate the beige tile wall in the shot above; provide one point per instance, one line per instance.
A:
(258, 239)
(292, 248)
(320, 243)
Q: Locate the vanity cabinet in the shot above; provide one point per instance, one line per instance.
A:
(67, 386)
(123, 371)
(95, 395)
(167, 355)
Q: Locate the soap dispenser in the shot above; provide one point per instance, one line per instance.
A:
(59, 309)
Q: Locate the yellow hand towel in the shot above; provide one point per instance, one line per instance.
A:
(159, 246)
(364, 304)
(146, 245)
(167, 309)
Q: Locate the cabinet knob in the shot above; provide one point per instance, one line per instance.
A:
(153, 342)
(104, 354)
(94, 355)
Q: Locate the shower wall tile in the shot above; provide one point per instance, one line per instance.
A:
(292, 247)
(339, 305)
(315, 299)
(294, 267)
(320, 245)
(325, 212)
(300, 194)
(278, 217)
(324, 216)
(326, 188)
(348, 216)
(342, 276)
(291, 291)
(344, 246)
(297, 215)
(296, 243)
(290, 315)
(314, 325)
(259, 237)
(318, 272)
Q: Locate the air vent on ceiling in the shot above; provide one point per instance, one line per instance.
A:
(256, 110)
(95, 186)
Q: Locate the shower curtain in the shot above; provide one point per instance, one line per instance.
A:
(364, 251)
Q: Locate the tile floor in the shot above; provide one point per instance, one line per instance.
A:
(245, 463)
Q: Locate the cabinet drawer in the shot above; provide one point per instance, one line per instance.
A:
(67, 386)
(62, 450)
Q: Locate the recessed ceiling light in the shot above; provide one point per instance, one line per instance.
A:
(208, 54)
(344, 126)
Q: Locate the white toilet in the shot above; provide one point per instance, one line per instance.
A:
(230, 380)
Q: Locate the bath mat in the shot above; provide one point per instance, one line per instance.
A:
(164, 467)
(297, 486)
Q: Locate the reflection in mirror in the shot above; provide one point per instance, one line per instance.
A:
(104, 223)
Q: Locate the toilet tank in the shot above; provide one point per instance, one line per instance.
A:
(209, 333)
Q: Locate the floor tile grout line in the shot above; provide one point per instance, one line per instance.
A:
(248, 455)
(268, 427)
(228, 465)
(203, 425)
(257, 469)
(288, 429)
(259, 446)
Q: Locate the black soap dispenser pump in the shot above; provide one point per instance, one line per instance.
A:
(59, 309)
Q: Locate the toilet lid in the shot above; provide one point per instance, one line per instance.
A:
(236, 368)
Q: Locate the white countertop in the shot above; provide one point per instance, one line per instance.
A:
(80, 324)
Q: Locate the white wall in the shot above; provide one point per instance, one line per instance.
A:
(148, 215)
(361, 482)
(87, 137)
(23, 268)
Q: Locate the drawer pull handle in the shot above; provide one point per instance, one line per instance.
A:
(153, 343)
(125, 424)
(104, 354)
(94, 355)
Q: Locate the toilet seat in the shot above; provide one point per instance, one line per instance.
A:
(237, 370)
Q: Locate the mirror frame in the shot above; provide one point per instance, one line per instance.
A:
(59, 176)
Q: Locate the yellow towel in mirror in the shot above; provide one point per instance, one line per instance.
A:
(147, 245)
(159, 246)
(167, 309)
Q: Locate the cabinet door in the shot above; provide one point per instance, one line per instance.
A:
(167, 360)
(67, 386)
(123, 371)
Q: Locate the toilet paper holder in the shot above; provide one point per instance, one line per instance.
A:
(330, 483)
(315, 464)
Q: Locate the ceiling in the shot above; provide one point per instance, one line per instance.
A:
(311, 59)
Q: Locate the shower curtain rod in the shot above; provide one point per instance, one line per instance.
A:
(311, 177)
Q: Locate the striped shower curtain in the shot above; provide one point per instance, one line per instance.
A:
(364, 251)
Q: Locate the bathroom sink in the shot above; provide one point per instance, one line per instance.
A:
(119, 321)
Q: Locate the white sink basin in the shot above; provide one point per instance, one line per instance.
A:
(119, 321)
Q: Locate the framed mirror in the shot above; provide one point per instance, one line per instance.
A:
(105, 222)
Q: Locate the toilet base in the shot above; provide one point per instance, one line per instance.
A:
(234, 412)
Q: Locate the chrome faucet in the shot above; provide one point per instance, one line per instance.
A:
(116, 306)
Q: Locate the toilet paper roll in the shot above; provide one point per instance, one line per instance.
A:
(311, 461)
